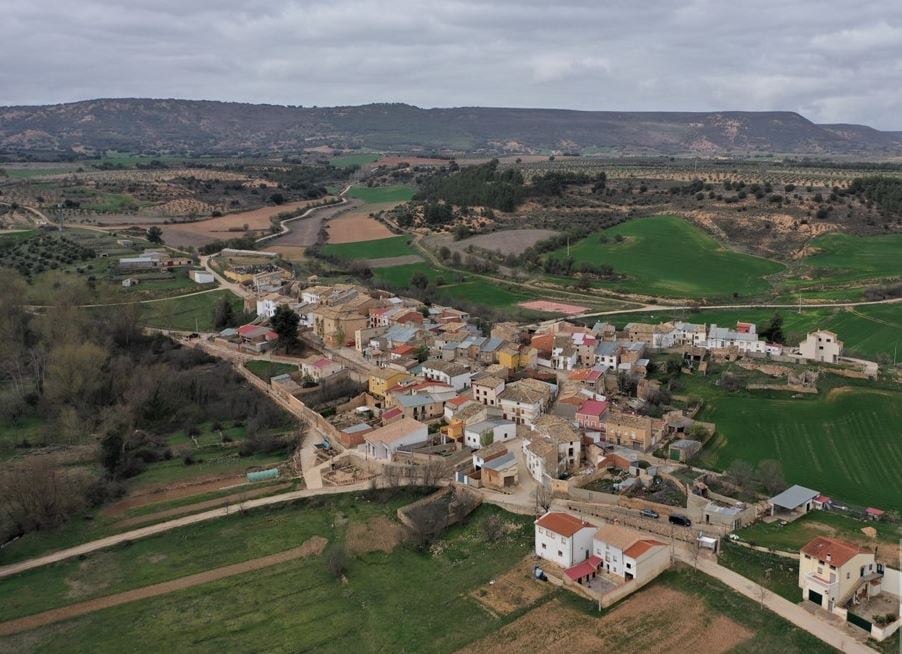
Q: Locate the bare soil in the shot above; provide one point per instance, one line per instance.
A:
(662, 621)
(387, 262)
(375, 535)
(513, 590)
(356, 226)
(312, 547)
(168, 492)
(506, 241)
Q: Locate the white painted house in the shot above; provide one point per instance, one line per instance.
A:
(201, 276)
(447, 372)
(486, 390)
(489, 431)
(628, 553)
(563, 539)
(821, 345)
(382, 443)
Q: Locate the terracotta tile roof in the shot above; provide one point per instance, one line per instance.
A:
(636, 550)
(836, 552)
(616, 536)
(583, 569)
(562, 523)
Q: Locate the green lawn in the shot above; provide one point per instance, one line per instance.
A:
(866, 331)
(404, 601)
(360, 159)
(483, 292)
(668, 256)
(793, 536)
(845, 444)
(393, 246)
(399, 276)
(187, 313)
(779, 574)
(266, 370)
(381, 194)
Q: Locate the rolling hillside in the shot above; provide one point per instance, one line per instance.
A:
(224, 127)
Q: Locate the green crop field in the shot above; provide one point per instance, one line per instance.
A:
(187, 313)
(868, 331)
(483, 292)
(668, 256)
(399, 276)
(793, 536)
(27, 173)
(845, 443)
(361, 159)
(13, 236)
(381, 194)
(391, 602)
(843, 257)
(393, 246)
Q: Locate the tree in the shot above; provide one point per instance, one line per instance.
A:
(770, 476)
(155, 235)
(419, 280)
(741, 473)
(774, 330)
(493, 528)
(285, 323)
(223, 313)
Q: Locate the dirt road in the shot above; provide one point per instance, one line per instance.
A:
(311, 547)
(151, 530)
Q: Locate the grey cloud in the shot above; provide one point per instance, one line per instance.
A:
(831, 60)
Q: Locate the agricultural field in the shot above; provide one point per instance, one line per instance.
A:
(394, 246)
(839, 258)
(844, 442)
(505, 241)
(287, 606)
(360, 159)
(381, 194)
(668, 256)
(682, 610)
(400, 276)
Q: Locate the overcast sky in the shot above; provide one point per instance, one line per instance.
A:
(831, 60)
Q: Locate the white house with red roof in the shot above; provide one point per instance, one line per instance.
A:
(832, 572)
(563, 539)
(629, 554)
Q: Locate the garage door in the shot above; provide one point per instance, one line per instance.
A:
(817, 598)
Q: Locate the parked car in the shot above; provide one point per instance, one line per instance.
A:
(681, 520)
(735, 538)
(648, 513)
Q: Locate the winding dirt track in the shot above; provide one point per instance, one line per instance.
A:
(311, 547)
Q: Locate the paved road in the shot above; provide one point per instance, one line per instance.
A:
(162, 527)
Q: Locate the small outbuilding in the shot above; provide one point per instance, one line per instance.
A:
(793, 502)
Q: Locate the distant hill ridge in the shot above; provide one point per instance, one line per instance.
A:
(201, 126)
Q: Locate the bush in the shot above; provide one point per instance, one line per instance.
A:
(337, 560)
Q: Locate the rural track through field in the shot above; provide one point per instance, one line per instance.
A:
(311, 547)
(152, 530)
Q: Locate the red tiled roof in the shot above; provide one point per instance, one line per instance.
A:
(460, 399)
(837, 552)
(402, 349)
(638, 549)
(593, 408)
(580, 570)
(872, 511)
(562, 523)
(822, 499)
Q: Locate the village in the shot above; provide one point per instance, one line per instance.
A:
(555, 419)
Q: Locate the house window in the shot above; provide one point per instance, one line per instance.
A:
(544, 546)
(559, 553)
(848, 575)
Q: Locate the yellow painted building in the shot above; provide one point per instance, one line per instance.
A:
(382, 379)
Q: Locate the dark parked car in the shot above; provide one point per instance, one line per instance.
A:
(681, 520)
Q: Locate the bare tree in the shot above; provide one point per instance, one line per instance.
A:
(543, 499)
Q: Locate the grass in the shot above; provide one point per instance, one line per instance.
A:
(843, 257)
(845, 443)
(482, 292)
(360, 159)
(390, 603)
(187, 313)
(772, 633)
(868, 331)
(266, 370)
(668, 256)
(381, 194)
(24, 235)
(777, 573)
(28, 173)
(393, 246)
(400, 276)
(793, 536)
